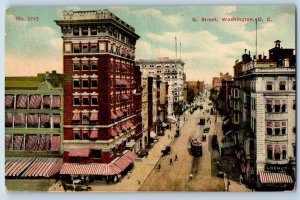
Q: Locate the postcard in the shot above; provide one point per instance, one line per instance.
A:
(150, 98)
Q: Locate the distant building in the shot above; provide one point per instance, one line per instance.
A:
(103, 100)
(167, 70)
(264, 113)
(196, 86)
(33, 118)
(217, 81)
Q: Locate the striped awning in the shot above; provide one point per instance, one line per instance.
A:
(124, 161)
(118, 130)
(55, 143)
(22, 101)
(31, 142)
(76, 117)
(82, 152)
(8, 118)
(56, 119)
(46, 101)
(56, 101)
(7, 142)
(45, 118)
(113, 116)
(32, 119)
(94, 117)
(275, 178)
(124, 97)
(94, 134)
(32, 167)
(119, 113)
(113, 133)
(20, 119)
(35, 101)
(9, 99)
(90, 169)
(44, 142)
(17, 142)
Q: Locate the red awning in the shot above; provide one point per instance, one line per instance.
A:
(8, 118)
(277, 149)
(55, 143)
(9, 99)
(46, 100)
(31, 142)
(79, 152)
(94, 117)
(277, 124)
(35, 101)
(22, 101)
(7, 142)
(17, 142)
(118, 130)
(118, 82)
(113, 133)
(56, 119)
(56, 102)
(76, 117)
(269, 124)
(124, 97)
(274, 178)
(127, 159)
(44, 143)
(94, 134)
(45, 118)
(113, 116)
(90, 169)
(119, 113)
(32, 119)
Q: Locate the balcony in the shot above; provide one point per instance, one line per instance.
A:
(276, 138)
(279, 162)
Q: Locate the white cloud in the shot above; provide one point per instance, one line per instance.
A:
(157, 15)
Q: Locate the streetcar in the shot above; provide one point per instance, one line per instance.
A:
(196, 146)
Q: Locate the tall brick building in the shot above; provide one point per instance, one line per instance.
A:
(102, 115)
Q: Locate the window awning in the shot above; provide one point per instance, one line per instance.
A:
(79, 152)
(8, 118)
(35, 101)
(44, 142)
(46, 100)
(90, 169)
(113, 133)
(113, 116)
(118, 130)
(124, 97)
(32, 167)
(76, 117)
(17, 142)
(9, 101)
(7, 141)
(31, 142)
(94, 134)
(275, 178)
(22, 101)
(45, 118)
(56, 119)
(55, 143)
(56, 102)
(119, 113)
(94, 117)
(124, 161)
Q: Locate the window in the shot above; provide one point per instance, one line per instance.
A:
(94, 83)
(270, 153)
(94, 66)
(85, 118)
(269, 131)
(284, 154)
(76, 31)
(282, 85)
(68, 47)
(117, 68)
(76, 101)
(294, 130)
(294, 104)
(75, 66)
(85, 101)
(269, 85)
(97, 153)
(283, 130)
(85, 135)
(76, 84)
(85, 48)
(111, 84)
(277, 106)
(283, 108)
(94, 48)
(93, 30)
(85, 31)
(76, 135)
(56, 121)
(85, 83)
(45, 121)
(94, 101)
(277, 156)
(76, 48)
(85, 66)
(277, 131)
(294, 85)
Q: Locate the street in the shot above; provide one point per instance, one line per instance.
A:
(175, 177)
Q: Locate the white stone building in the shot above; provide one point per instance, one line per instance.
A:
(168, 70)
(264, 113)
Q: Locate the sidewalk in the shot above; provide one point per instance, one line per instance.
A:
(140, 172)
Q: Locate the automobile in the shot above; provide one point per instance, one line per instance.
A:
(206, 130)
(166, 150)
(209, 104)
(202, 121)
(201, 107)
(214, 143)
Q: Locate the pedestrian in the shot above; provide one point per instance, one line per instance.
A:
(176, 158)
(139, 182)
(64, 186)
(191, 177)
(184, 118)
(228, 184)
(159, 167)
(115, 179)
(171, 161)
(241, 179)
(168, 136)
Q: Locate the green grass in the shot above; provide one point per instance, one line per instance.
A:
(31, 185)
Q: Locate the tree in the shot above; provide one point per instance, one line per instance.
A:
(190, 96)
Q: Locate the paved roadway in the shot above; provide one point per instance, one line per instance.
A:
(176, 177)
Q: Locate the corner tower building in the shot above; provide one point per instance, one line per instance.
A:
(102, 115)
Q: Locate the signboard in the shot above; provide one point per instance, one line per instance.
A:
(276, 168)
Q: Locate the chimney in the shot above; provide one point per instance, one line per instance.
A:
(265, 57)
(254, 57)
(259, 56)
(245, 51)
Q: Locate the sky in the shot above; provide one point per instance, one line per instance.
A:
(207, 48)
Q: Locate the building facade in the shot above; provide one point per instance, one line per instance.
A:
(263, 102)
(33, 125)
(217, 81)
(103, 87)
(170, 71)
